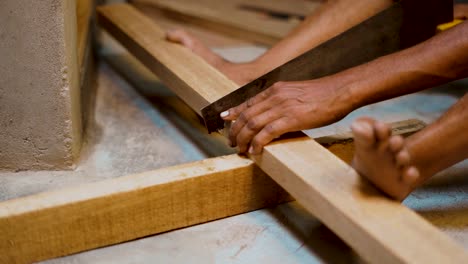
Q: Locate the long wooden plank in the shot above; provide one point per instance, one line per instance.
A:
(71, 220)
(380, 230)
(67, 221)
(300, 8)
(228, 17)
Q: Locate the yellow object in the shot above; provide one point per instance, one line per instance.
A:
(448, 25)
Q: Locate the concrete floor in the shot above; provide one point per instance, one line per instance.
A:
(130, 133)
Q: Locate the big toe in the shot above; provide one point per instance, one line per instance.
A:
(363, 132)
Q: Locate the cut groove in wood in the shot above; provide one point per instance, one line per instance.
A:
(379, 229)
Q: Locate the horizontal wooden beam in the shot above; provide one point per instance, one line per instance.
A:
(67, 221)
(379, 229)
(71, 220)
(232, 17)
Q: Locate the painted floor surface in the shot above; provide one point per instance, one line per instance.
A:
(131, 134)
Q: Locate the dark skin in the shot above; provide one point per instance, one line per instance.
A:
(284, 107)
(311, 103)
(395, 165)
(332, 18)
(293, 106)
(398, 165)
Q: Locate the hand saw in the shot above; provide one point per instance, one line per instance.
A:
(404, 24)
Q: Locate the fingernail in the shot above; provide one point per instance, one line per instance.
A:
(224, 114)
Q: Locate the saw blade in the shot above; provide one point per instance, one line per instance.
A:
(402, 25)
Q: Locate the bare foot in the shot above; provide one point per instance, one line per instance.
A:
(383, 159)
(239, 73)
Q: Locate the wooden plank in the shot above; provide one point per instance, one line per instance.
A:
(298, 8)
(379, 229)
(166, 22)
(67, 221)
(227, 17)
(171, 65)
(71, 220)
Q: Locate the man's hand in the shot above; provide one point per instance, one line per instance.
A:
(287, 107)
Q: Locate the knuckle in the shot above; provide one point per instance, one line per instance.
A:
(270, 129)
(234, 129)
(252, 124)
(279, 84)
(276, 87)
(277, 98)
(242, 117)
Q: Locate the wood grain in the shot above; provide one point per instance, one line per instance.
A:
(379, 229)
(71, 220)
(227, 17)
(59, 223)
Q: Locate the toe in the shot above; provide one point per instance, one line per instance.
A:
(410, 176)
(396, 144)
(363, 133)
(402, 158)
(382, 130)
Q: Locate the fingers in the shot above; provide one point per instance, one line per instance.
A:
(234, 113)
(253, 119)
(250, 117)
(268, 133)
(265, 116)
(243, 135)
